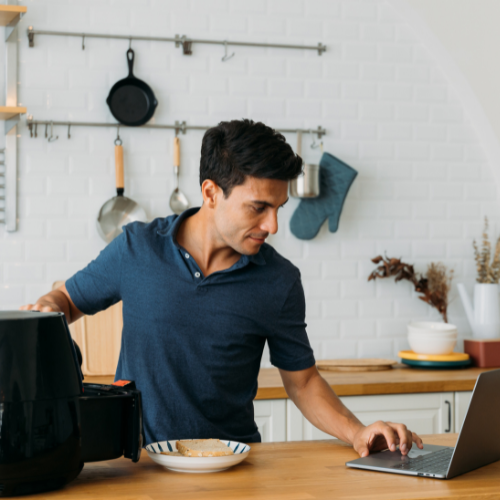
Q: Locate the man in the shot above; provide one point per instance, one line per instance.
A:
(202, 292)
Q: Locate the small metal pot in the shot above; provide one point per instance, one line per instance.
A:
(306, 185)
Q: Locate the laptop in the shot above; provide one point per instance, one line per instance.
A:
(478, 443)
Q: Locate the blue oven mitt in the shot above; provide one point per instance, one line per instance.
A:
(335, 179)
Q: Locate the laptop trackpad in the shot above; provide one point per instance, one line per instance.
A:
(414, 453)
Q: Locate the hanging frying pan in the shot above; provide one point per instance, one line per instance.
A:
(119, 210)
(131, 101)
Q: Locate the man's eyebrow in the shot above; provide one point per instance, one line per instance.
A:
(267, 204)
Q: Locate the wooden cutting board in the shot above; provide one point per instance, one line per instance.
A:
(356, 365)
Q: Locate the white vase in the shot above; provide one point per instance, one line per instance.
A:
(484, 316)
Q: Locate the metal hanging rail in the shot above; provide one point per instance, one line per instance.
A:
(177, 126)
(180, 41)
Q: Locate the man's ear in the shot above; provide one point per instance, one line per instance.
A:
(211, 193)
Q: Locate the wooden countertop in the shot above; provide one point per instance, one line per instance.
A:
(399, 380)
(301, 470)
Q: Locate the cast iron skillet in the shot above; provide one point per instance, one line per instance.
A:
(131, 101)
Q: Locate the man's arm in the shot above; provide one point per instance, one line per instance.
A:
(322, 407)
(56, 301)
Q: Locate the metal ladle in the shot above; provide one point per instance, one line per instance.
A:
(178, 201)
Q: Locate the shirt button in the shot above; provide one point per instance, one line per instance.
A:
(197, 275)
(186, 255)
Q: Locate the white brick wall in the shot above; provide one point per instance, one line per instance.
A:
(423, 185)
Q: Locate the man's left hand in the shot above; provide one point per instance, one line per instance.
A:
(382, 435)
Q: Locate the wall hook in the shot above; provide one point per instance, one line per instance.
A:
(118, 141)
(226, 57)
(129, 43)
(36, 131)
(69, 128)
(31, 37)
(46, 129)
(83, 42)
(52, 138)
(187, 48)
(30, 126)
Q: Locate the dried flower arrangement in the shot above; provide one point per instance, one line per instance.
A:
(487, 272)
(434, 287)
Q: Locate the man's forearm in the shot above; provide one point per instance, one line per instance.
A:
(56, 300)
(59, 298)
(322, 407)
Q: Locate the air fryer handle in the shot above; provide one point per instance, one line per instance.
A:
(78, 353)
(79, 357)
(134, 439)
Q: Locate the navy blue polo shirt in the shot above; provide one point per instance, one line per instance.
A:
(193, 344)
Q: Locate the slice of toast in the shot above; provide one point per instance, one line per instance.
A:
(203, 448)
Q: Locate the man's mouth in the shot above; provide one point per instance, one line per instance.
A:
(259, 239)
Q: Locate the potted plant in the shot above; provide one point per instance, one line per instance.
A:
(484, 314)
(434, 287)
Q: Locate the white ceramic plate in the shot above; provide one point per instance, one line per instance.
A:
(196, 464)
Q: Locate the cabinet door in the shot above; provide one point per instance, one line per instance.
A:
(270, 417)
(430, 413)
(462, 400)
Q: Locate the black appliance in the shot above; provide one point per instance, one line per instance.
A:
(51, 423)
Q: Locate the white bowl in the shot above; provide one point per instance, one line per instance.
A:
(196, 464)
(426, 335)
(431, 327)
(428, 345)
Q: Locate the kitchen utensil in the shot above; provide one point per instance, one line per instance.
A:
(484, 316)
(446, 365)
(453, 360)
(454, 356)
(451, 335)
(306, 185)
(111, 417)
(432, 328)
(336, 178)
(196, 464)
(355, 365)
(178, 201)
(119, 210)
(447, 361)
(483, 353)
(431, 345)
(50, 422)
(130, 100)
(40, 385)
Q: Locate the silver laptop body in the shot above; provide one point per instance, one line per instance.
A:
(478, 443)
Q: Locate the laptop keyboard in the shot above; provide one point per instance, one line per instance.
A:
(433, 463)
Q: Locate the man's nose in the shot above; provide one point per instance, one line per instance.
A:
(270, 223)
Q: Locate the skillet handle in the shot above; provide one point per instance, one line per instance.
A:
(120, 182)
(177, 152)
(130, 61)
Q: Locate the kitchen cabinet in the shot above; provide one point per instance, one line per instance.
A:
(462, 400)
(428, 413)
(270, 417)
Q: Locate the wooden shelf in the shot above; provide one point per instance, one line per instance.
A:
(9, 13)
(8, 112)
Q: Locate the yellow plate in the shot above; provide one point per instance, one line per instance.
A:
(454, 356)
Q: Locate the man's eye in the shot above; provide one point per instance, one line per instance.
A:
(259, 209)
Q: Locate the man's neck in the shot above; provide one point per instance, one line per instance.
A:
(198, 235)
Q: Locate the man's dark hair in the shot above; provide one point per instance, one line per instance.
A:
(233, 150)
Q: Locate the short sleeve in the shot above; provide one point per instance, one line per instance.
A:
(97, 286)
(288, 342)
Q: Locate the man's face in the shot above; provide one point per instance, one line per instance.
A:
(250, 213)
